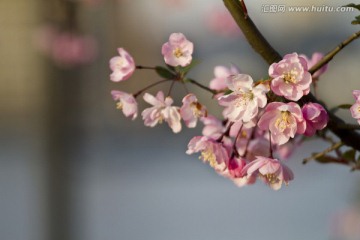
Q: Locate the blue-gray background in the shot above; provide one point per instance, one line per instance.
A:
(124, 181)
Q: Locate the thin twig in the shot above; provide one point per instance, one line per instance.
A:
(150, 86)
(320, 154)
(201, 86)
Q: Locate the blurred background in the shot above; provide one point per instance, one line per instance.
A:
(73, 167)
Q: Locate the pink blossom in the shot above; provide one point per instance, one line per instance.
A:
(178, 50)
(191, 110)
(221, 74)
(211, 151)
(123, 66)
(243, 103)
(286, 150)
(283, 120)
(316, 57)
(259, 146)
(126, 103)
(315, 117)
(213, 127)
(291, 78)
(355, 108)
(272, 171)
(162, 110)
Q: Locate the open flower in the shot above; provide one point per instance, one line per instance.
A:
(213, 127)
(191, 110)
(315, 58)
(315, 117)
(162, 110)
(178, 50)
(355, 109)
(270, 170)
(235, 172)
(221, 74)
(291, 78)
(123, 66)
(243, 103)
(126, 103)
(283, 120)
(211, 151)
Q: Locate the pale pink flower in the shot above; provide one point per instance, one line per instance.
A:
(211, 151)
(315, 117)
(244, 102)
(355, 108)
(270, 170)
(283, 120)
(259, 146)
(126, 103)
(213, 127)
(221, 74)
(162, 110)
(315, 58)
(291, 78)
(191, 110)
(178, 50)
(241, 137)
(123, 66)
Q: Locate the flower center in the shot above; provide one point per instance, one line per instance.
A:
(119, 105)
(271, 178)
(196, 109)
(290, 77)
(208, 155)
(244, 98)
(283, 121)
(178, 53)
(358, 109)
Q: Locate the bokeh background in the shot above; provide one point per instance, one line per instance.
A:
(73, 167)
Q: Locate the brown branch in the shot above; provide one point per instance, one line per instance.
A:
(318, 155)
(331, 54)
(270, 55)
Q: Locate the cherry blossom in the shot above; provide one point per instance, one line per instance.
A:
(178, 50)
(283, 120)
(270, 170)
(315, 117)
(355, 108)
(221, 74)
(123, 66)
(162, 110)
(235, 169)
(211, 151)
(126, 103)
(213, 127)
(291, 78)
(191, 110)
(243, 103)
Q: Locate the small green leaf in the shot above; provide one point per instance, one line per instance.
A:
(165, 73)
(227, 92)
(185, 70)
(349, 155)
(341, 106)
(356, 21)
(353, 5)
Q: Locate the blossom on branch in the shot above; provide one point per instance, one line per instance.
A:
(178, 50)
(291, 78)
(270, 170)
(126, 103)
(315, 117)
(221, 74)
(192, 110)
(244, 102)
(123, 66)
(355, 108)
(162, 110)
(283, 120)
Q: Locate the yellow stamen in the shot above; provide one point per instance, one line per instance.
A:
(119, 105)
(178, 53)
(283, 122)
(208, 155)
(290, 77)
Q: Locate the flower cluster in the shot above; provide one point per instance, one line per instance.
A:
(260, 124)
